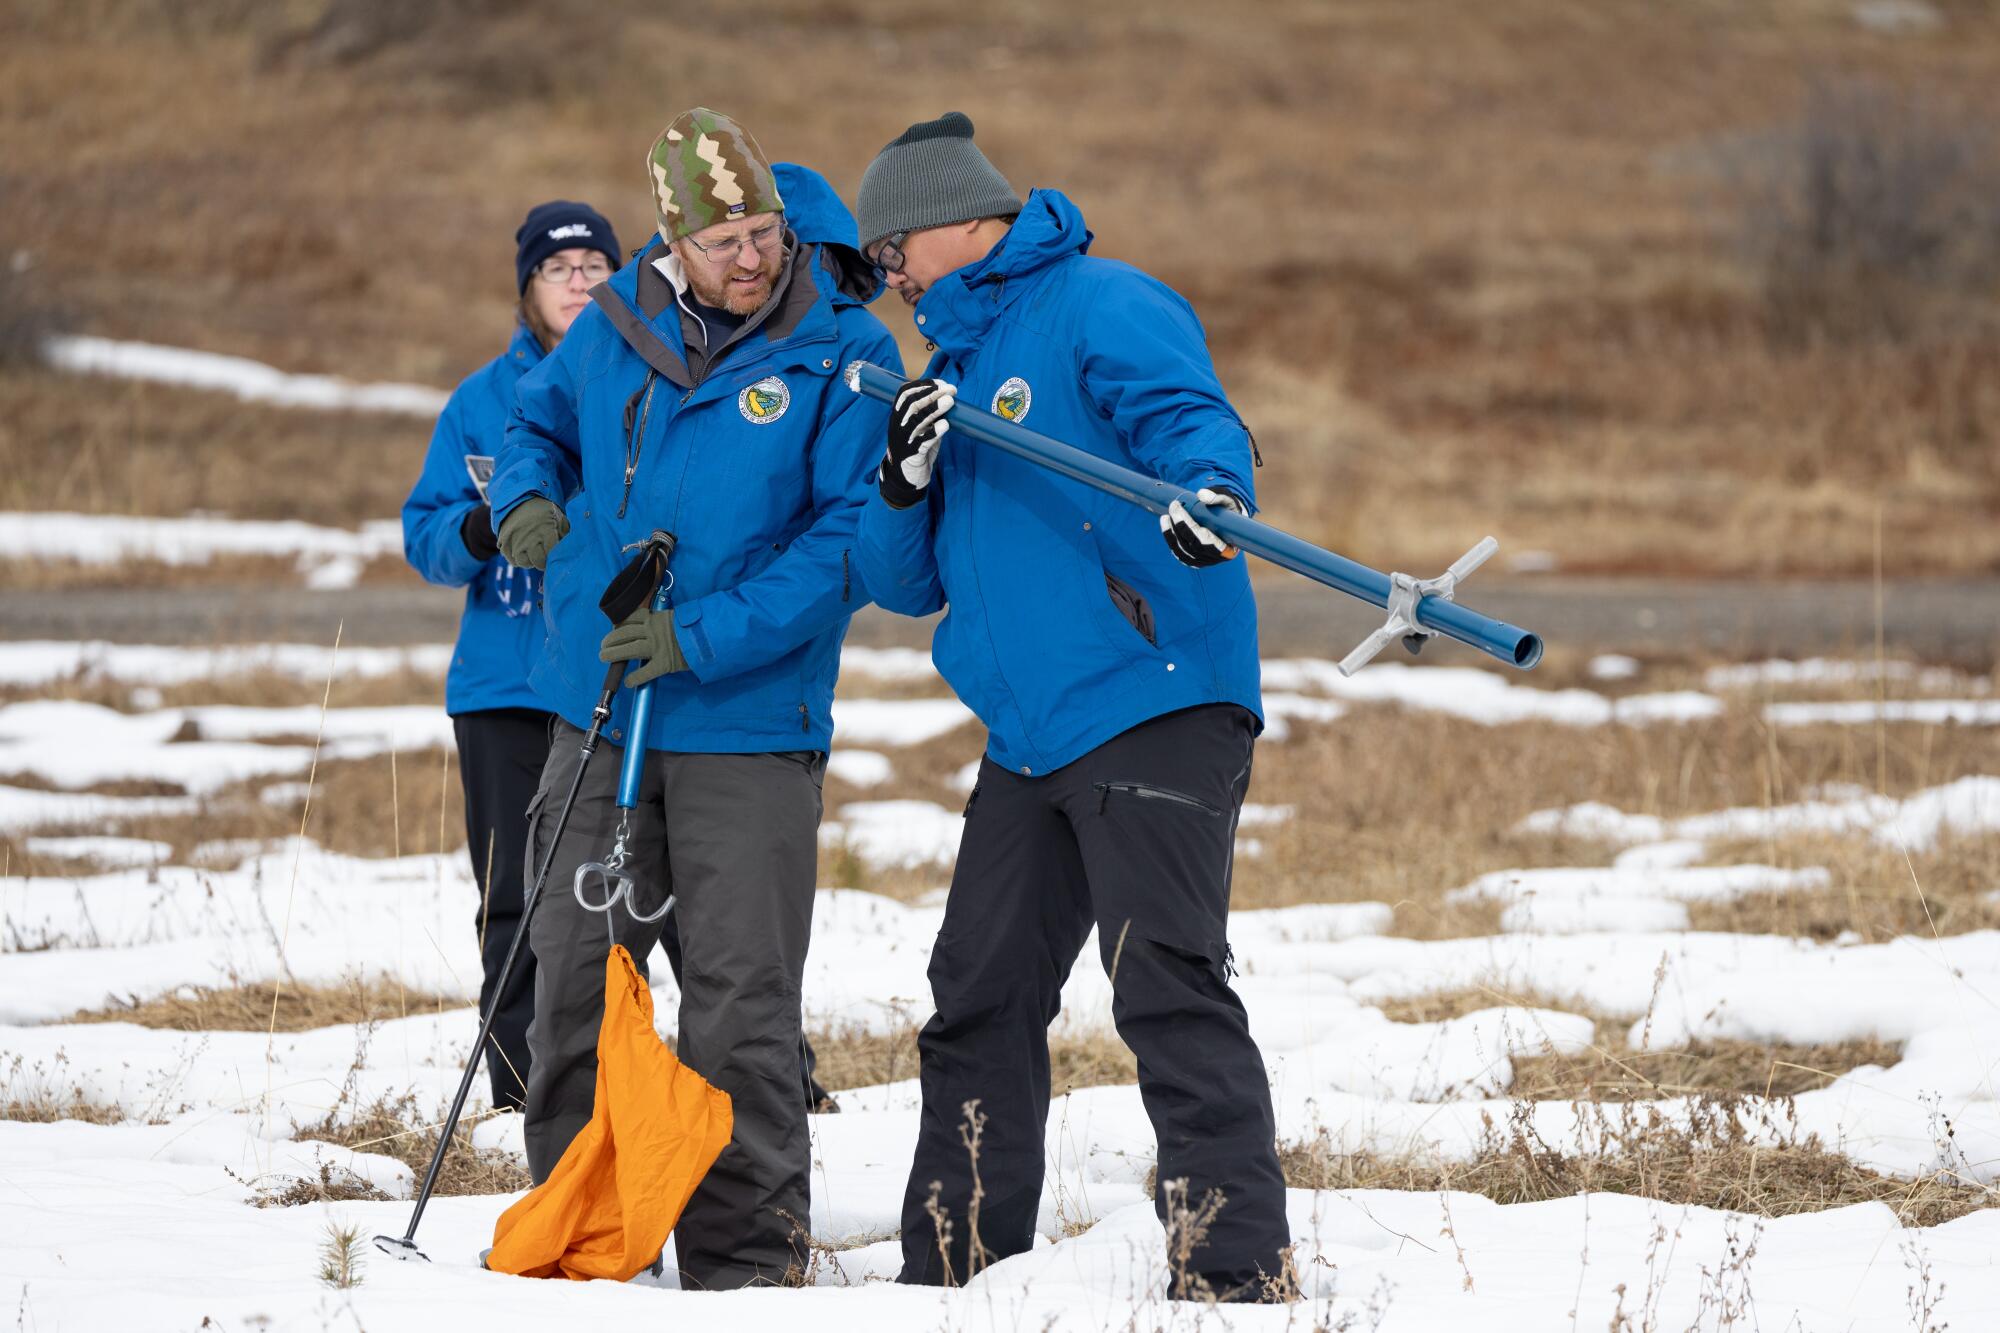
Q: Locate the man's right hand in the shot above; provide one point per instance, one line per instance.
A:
(530, 531)
(916, 425)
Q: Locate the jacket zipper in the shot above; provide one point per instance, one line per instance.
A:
(638, 440)
(1151, 793)
(844, 583)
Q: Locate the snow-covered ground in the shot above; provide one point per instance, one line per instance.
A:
(146, 1223)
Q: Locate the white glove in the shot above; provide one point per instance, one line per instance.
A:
(916, 427)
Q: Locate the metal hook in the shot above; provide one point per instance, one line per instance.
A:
(616, 885)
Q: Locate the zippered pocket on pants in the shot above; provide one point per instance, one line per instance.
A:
(1147, 791)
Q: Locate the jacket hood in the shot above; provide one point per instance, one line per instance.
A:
(1050, 227)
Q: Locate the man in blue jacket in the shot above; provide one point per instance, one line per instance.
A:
(701, 395)
(1117, 676)
(562, 249)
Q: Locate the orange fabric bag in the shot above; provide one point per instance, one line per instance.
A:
(606, 1209)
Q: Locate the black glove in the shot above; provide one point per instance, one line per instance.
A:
(1192, 542)
(916, 425)
(477, 533)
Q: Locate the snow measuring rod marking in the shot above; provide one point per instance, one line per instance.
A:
(1418, 608)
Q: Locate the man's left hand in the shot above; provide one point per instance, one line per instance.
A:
(645, 635)
(1192, 542)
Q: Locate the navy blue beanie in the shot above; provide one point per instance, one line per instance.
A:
(561, 224)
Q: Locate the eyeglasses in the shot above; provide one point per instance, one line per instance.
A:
(889, 255)
(764, 240)
(556, 272)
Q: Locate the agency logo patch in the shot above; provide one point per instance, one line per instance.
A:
(765, 401)
(1012, 400)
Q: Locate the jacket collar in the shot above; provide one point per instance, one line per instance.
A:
(643, 302)
(961, 306)
(524, 350)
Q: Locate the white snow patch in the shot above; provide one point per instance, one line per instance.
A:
(896, 722)
(1968, 807)
(901, 834)
(861, 768)
(1482, 696)
(109, 539)
(41, 662)
(1931, 712)
(108, 851)
(251, 381)
(1838, 671)
(1612, 666)
(22, 808)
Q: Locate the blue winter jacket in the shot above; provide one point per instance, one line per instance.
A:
(758, 460)
(1067, 618)
(500, 633)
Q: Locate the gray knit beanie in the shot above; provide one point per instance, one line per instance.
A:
(931, 175)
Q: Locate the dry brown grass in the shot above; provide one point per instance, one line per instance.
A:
(255, 689)
(1403, 806)
(269, 1006)
(1713, 1160)
(1498, 294)
(47, 1110)
(393, 1127)
(224, 571)
(1879, 892)
(855, 1057)
(1612, 1071)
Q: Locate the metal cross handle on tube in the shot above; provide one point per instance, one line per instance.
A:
(1418, 608)
(600, 886)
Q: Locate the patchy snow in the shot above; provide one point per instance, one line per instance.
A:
(75, 744)
(896, 721)
(1931, 712)
(333, 556)
(898, 834)
(1968, 807)
(42, 662)
(23, 808)
(1612, 666)
(251, 381)
(1482, 696)
(860, 768)
(120, 1225)
(1819, 671)
(107, 851)
(888, 664)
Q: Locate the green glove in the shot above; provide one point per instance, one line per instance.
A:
(646, 635)
(530, 531)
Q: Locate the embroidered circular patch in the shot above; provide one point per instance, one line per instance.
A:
(765, 401)
(1012, 400)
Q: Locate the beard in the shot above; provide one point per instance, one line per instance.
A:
(722, 290)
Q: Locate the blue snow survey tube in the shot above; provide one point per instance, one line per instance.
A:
(1510, 643)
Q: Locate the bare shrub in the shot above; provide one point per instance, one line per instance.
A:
(1874, 216)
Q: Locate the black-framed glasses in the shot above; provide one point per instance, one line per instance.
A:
(764, 240)
(889, 255)
(556, 272)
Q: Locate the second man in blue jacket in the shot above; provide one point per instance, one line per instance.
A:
(1117, 676)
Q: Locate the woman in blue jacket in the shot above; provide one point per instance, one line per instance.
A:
(563, 250)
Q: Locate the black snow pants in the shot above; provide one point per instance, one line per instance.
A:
(1135, 838)
(500, 756)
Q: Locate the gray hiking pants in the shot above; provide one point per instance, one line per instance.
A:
(735, 838)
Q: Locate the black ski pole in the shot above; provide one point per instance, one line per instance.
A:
(405, 1246)
(633, 587)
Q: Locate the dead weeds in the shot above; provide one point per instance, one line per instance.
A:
(271, 1006)
(1725, 1154)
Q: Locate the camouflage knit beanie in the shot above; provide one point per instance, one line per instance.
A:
(705, 169)
(931, 175)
